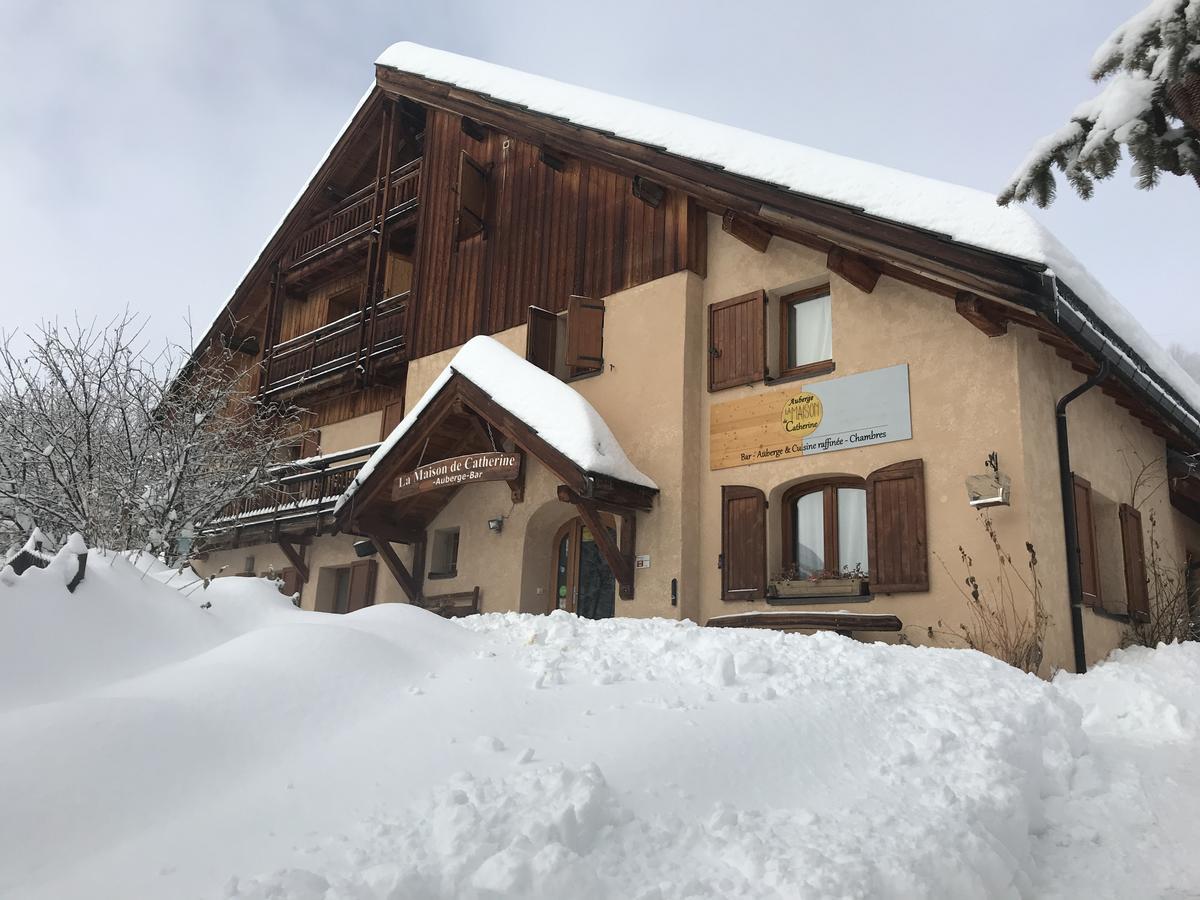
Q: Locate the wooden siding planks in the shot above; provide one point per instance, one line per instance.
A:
(548, 234)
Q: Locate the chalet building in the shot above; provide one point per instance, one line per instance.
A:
(560, 350)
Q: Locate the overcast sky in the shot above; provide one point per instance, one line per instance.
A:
(148, 148)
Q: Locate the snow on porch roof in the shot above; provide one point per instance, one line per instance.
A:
(964, 214)
(556, 411)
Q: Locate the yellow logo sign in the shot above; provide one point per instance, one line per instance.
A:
(802, 414)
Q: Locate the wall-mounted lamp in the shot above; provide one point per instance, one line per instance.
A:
(365, 548)
(993, 488)
(496, 525)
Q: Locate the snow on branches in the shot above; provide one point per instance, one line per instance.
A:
(1151, 106)
(131, 448)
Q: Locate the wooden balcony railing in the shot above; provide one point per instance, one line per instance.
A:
(301, 495)
(353, 216)
(338, 345)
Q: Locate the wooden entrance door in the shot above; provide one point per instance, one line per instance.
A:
(582, 582)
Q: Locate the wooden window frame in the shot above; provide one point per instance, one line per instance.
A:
(453, 570)
(786, 302)
(828, 487)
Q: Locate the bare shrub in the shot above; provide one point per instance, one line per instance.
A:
(1008, 617)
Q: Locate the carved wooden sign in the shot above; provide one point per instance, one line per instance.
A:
(455, 471)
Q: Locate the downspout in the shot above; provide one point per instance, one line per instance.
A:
(1070, 529)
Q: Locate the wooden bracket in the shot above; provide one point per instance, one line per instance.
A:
(861, 271)
(746, 230)
(517, 485)
(980, 313)
(295, 557)
(619, 558)
(404, 578)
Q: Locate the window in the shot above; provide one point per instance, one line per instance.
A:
(472, 198)
(806, 333)
(344, 589)
(342, 304)
(443, 562)
(825, 528)
(761, 337)
(874, 525)
(569, 344)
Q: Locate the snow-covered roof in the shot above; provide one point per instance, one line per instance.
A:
(964, 214)
(38, 546)
(556, 411)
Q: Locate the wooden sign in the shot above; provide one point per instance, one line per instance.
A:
(836, 414)
(455, 471)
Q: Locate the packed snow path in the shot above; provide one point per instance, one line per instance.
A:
(155, 748)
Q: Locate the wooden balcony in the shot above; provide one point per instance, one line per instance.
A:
(302, 493)
(352, 218)
(366, 335)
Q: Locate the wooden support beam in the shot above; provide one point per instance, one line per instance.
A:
(620, 494)
(746, 230)
(861, 271)
(517, 485)
(404, 578)
(980, 314)
(567, 495)
(295, 557)
(618, 561)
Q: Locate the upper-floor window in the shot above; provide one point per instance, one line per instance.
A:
(761, 336)
(806, 332)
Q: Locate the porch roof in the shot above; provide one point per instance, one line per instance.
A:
(488, 383)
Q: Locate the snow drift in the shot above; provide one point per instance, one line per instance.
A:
(164, 739)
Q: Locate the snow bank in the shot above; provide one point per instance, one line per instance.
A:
(962, 214)
(235, 746)
(556, 411)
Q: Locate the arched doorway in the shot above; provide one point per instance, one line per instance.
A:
(582, 582)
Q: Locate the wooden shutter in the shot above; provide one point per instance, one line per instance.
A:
(743, 543)
(1136, 593)
(362, 584)
(897, 551)
(585, 333)
(290, 582)
(1085, 526)
(541, 338)
(472, 197)
(393, 413)
(737, 341)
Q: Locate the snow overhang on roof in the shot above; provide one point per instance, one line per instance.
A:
(555, 411)
(964, 215)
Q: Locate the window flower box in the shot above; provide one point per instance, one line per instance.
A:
(819, 587)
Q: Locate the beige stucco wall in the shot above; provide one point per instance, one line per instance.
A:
(646, 335)
(1108, 448)
(350, 433)
(963, 395)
